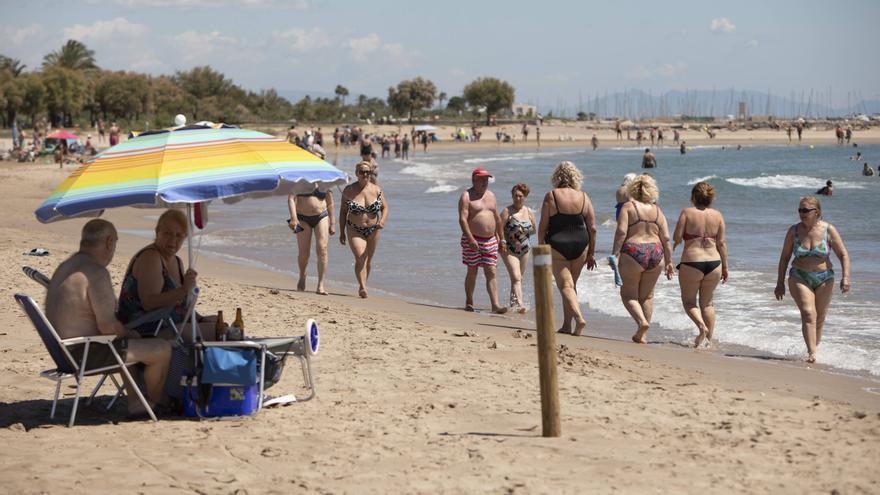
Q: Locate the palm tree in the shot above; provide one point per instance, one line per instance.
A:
(442, 98)
(13, 65)
(73, 55)
(341, 92)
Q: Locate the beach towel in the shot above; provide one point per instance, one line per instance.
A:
(612, 262)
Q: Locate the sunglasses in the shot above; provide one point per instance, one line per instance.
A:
(363, 172)
(805, 210)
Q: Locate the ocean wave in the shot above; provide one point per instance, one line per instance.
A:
(442, 188)
(746, 315)
(703, 179)
(790, 182)
(436, 172)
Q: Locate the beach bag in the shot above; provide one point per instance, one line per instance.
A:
(229, 366)
(226, 386)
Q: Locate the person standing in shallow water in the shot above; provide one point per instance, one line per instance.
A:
(811, 277)
(519, 224)
(362, 216)
(704, 260)
(643, 236)
(311, 214)
(480, 230)
(568, 225)
(648, 159)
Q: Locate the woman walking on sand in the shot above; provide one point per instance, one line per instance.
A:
(704, 259)
(518, 223)
(311, 214)
(568, 225)
(811, 277)
(363, 213)
(642, 234)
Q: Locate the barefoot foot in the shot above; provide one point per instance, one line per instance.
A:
(565, 331)
(301, 285)
(639, 337)
(700, 338)
(579, 328)
(321, 292)
(469, 308)
(363, 293)
(499, 310)
(811, 358)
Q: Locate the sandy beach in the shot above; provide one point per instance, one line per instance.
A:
(421, 399)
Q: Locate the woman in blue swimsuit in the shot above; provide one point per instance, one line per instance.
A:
(362, 214)
(811, 277)
(519, 224)
(643, 236)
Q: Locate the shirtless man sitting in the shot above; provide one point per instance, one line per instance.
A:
(81, 302)
(481, 229)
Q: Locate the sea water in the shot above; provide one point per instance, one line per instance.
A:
(758, 188)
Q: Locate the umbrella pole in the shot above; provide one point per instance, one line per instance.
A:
(189, 250)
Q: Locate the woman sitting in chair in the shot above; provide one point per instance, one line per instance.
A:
(155, 279)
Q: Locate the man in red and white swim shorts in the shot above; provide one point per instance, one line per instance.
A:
(480, 231)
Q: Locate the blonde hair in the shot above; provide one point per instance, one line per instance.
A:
(628, 178)
(175, 216)
(566, 175)
(643, 189)
(702, 194)
(812, 202)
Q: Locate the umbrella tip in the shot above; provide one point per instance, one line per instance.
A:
(179, 120)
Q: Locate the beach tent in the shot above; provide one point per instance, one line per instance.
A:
(58, 137)
(425, 128)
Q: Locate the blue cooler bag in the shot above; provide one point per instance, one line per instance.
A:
(228, 385)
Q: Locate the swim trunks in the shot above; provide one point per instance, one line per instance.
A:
(485, 254)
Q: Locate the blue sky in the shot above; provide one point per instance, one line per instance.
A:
(549, 51)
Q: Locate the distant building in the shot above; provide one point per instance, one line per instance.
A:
(523, 110)
(742, 114)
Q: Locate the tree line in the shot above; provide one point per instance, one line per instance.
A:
(69, 89)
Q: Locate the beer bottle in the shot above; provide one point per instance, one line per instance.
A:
(219, 327)
(239, 323)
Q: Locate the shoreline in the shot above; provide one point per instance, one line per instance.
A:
(429, 398)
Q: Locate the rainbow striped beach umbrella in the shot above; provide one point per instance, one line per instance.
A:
(188, 165)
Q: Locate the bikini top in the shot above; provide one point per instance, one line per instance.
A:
(640, 220)
(316, 193)
(705, 238)
(375, 206)
(820, 251)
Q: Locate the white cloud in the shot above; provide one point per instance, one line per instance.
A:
(193, 45)
(662, 71)
(302, 40)
(722, 25)
(18, 36)
(104, 30)
(361, 48)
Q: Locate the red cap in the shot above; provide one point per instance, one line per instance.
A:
(480, 172)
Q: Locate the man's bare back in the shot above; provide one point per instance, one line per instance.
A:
(80, 291)
(481, 210)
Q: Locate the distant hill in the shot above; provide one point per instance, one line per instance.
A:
(717, 103)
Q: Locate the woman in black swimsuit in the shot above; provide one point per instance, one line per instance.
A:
(363, 213)
(704, 259)
(310, 213)
(568, 224)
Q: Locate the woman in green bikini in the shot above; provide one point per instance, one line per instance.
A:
(811, 277)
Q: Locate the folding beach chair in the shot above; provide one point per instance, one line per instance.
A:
(67, 367)
(161, 316)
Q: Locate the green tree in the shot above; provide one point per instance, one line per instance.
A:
(489, 92)
(13, 65)
(73, 55)
(34, 101)
(65, 90)
(341, 92)
(165, 100)
(456, 104)
(204, 88)
(442, 98)
(411, 95)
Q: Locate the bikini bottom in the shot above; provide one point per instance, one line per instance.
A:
(312, 220)
(364, 232)
(646, 254)
(706, 267)
(812, 279)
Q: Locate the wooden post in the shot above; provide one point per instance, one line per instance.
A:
(543, 277)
